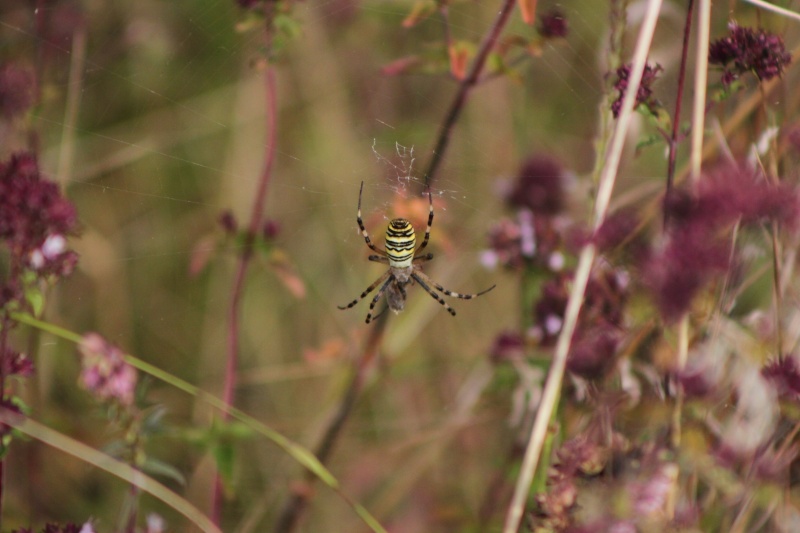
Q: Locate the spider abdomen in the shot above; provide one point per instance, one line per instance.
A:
(400, 243)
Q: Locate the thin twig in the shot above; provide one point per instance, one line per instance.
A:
(294, 507)
(676, 118)
(695, 162)
(464, 88)
(256, 221)
(775, 9)
(606, 185)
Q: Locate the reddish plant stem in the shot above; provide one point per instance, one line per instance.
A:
(676, 118)
(464, 88)
(297, 502)
(254, 227)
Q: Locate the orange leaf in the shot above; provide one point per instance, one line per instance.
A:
(528, 10)
(202, 251)
(400, 66)
(459, 56)
(284, 269)
(421, 10)
(331, 350)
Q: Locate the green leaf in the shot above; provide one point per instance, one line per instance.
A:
(152, 419)
(35, 298)
(156, 467)
(224, 457)
(648, 141)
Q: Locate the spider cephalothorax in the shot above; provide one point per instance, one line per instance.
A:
(404, 265)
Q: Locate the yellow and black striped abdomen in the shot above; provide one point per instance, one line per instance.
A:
(400, 243)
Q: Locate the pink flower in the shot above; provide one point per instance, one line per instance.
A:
(104, 371)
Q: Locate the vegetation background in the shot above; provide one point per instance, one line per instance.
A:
(152, 118)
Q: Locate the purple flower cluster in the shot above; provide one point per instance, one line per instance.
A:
(749, 50)
(104, 371)
(784, 375)
(600, 325)
(553, 24)
(539, 186)
(35, 219)
(644, 96)
(533, 239)
(696, 248)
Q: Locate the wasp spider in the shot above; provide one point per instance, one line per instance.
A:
(404, 265)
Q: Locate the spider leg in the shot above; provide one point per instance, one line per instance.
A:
(369, 290)
(379, 259)
(420, 259)
(385, 308)
(439, 288)
(433, 293)
(430, 224)
(363, 229)
(378, 296)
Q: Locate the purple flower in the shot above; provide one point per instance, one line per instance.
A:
(749, 50)
(104, 371)
(593, 349)
(548, 312)
(651, 497)
(696, 249)
(507, 346)
(676, 272)
(271, 229)
(644, 96)
(17, 91)
(615, 230)
(553, 24)
(539, 186)
(35, 218)
(228, 222)
(784, 374)
(18, 364)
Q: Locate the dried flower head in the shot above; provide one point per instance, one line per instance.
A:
(17, 90)
(749, 50)
(644, 96)
(553, 24)
(104, 371)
